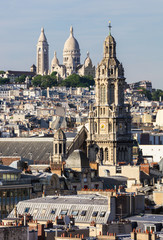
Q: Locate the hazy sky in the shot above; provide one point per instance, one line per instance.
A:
(137, 26)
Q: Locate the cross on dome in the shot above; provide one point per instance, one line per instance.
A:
(110, 27)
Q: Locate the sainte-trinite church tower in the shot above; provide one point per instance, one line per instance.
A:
(109, 139)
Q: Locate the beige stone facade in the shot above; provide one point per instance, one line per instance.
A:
(131, 172)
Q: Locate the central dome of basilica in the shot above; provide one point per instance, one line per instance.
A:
(71, 43)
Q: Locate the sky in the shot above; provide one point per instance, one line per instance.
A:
(137, 26)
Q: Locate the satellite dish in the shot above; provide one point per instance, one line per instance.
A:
(67, 220)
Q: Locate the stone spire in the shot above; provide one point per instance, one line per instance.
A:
(42, 54)
(42, 37)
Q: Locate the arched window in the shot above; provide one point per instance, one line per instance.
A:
(95, 127)
(55, 148)
(103, 94)
(60, 148)
(101, 154)
(112, 93)
(106, 154)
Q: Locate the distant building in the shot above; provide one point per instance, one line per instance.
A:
(71, 60)
(141, 84)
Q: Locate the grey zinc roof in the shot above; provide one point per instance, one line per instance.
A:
(28, 150)
(89, 203)
(152, 218)
(7, 169)
(37, 150)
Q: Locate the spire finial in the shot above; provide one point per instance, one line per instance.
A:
(87, 54)
(42, 29)
(71, 31)
(55, 54)
(110, 27)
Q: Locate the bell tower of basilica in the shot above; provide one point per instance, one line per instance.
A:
(109, 140)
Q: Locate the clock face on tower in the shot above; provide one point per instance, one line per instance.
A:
(102, 126)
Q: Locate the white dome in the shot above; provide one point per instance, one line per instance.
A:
(87, 61)
(71, 43)
(55, 60)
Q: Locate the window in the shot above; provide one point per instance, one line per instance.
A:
(96, 186)
(64, 148)
(26, 210)
(35, 211)
(43, 211)
(53, 211)
(112, 93)
(75, 213)
(60, 148)
(102, 214)
(103, 94)
(83, 213)
(94, 214)
(118, 169)
(55, 148)
(63, 212)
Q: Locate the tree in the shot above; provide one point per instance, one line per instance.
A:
(45, 81)
(36, 81)
(21, 79)
(75, 80)
(157, 94)
(4, 81)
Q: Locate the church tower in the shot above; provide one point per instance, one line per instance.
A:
(110, 141)
(42, 54)
(59, 146)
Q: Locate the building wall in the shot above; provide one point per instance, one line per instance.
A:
(158, 197)
(156, 151)
(126, 171)
(10, 233)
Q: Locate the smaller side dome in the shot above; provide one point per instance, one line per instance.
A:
(55, 60)
(59, 135)
(77, 160)
(88, 61)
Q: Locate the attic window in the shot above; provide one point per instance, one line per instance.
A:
(35, 211)
(53, 211)
(63, 212)
(102, 214)
(94, 214)
(75, 213)
(43, 211)
(83, 213)
(26, 210)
